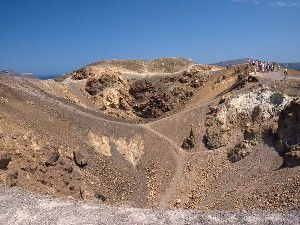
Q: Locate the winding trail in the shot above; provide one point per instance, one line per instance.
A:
(180, 161)
(145, 74)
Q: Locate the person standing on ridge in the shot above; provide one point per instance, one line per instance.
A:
(285, 73)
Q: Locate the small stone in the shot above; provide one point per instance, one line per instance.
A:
(68, 168)
(100, 197)
(31, 167)
(76, 175)
(52, 159)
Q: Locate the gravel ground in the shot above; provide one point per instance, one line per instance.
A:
(19, 207)
(275, 76)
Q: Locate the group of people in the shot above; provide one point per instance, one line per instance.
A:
(265, 67)
(262, 66)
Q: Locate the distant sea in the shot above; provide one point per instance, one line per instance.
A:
(46, 77)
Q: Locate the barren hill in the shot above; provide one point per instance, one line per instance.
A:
(161, 133)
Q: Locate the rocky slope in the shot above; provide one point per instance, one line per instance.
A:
(161, 133)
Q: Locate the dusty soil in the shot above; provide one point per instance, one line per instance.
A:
(120, 132)
(22, 208)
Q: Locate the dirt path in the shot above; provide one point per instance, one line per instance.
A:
(74, 87)
(274, 76)
(148, 74)
(169, 194)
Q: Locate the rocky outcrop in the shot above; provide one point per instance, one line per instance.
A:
(289, 134)
(289, 124)
(251, 113)
(190, 141)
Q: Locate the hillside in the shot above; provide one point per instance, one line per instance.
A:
(166, 133)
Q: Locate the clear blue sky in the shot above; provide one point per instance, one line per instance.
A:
(56, 36)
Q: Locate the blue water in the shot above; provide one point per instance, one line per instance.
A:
(46, 77)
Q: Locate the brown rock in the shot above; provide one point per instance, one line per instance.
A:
(30, 167)
(52, 159)
(68, 168)
(100, 197)
(80, 158)
(5, 158)
(76, 175)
